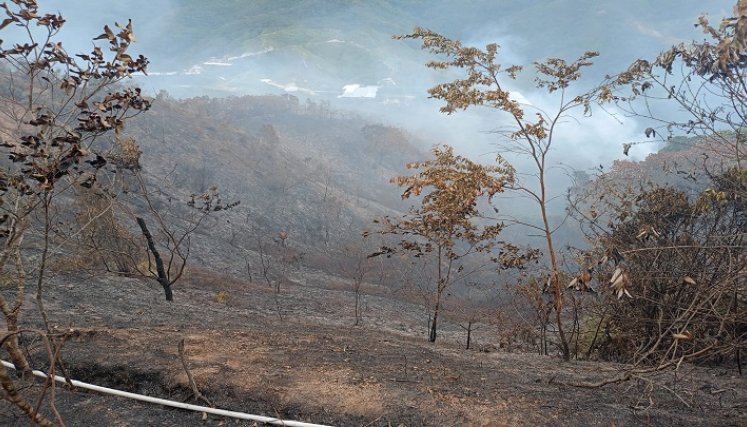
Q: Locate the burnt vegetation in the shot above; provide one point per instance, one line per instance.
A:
(215, 201)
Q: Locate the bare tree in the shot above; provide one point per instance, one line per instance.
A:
(471, 312)
(677, 274)
(354, 263)
(60, 107)
(533, 301)
(679, 255)
(168, 251)
(533, 130)
(445, 225)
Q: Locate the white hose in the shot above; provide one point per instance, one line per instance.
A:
(165, 402)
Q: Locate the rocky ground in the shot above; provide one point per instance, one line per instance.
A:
(312, 365)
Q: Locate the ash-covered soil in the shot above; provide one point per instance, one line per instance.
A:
(310, 364)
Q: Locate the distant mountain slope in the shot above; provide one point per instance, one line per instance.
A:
(304, 169)
(315, 47)
(687, 164)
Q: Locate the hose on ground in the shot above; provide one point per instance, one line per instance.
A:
(174, 404)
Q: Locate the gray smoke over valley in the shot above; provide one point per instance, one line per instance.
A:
(342, 53)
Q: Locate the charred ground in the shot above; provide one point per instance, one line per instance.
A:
(312, 366)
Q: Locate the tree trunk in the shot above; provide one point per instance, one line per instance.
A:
(737, 357)
(357, 307)
(13, 346)
(555, 275)
(162, 277)
(469, 334)
(432, 335)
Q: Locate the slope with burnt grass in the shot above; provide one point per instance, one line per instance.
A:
(312, 365)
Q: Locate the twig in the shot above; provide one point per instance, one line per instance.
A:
(277, 415)
(11, 393)
(195, 391)
(50, 384)
(650, 381)
(55, 361)
(644, 408)
(374, 421)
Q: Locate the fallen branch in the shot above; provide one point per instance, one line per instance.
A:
(639, 374)
(619, 379)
